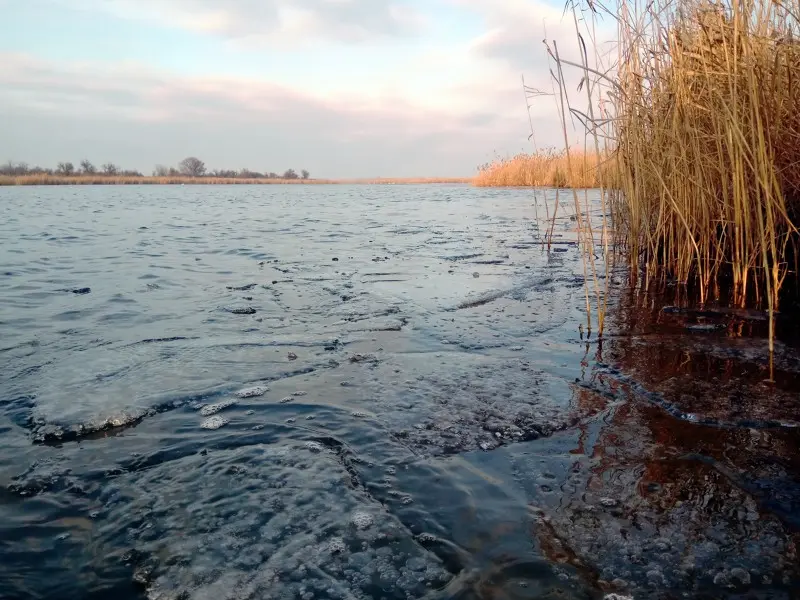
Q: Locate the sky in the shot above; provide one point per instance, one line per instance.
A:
(343, 88)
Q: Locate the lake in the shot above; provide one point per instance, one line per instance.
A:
(357, 392)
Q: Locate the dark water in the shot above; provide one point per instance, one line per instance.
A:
(370, 392)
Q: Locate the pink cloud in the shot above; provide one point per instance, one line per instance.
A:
(231, 122)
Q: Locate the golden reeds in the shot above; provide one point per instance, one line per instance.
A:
(702, 106)
(45, 179)
(547, 168)
(709, 142)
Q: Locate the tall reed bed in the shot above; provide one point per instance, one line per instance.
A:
(701, 107)
(547, 168)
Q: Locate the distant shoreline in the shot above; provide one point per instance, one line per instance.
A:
(40, 179)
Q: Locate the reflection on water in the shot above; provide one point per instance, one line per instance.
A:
(688, 484)
(370, 392)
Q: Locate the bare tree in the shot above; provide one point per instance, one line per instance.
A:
(11, 168)
(289, 174)
(65, 168)
(273, 175)
(160, 171)
(192, 167)
(110, 169)
(305, 174)
(224, 173)
(87, 168)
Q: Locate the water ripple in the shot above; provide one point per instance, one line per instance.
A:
(337, 392)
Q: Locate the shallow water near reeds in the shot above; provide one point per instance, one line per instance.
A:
(370, 392)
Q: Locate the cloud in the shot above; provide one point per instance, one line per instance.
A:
(66, 88)
(139, 117)
(273, 21)
(516, 29)
(514, 43)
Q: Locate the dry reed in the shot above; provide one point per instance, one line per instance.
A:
(703, 110)
(45, 179)
(548, 168)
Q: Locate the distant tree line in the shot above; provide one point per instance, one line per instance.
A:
(188, 167)
(67, 169)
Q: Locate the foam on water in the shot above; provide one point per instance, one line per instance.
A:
(44, 431)
(214, 422)
(289, 523)
(362, 520)
(212, 409)
(478, 402)
(314, 447)
(252, 392)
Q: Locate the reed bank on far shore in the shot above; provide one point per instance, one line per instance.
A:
(181, 180)
(190, 171)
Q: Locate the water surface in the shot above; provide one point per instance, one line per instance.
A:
(369, 392)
